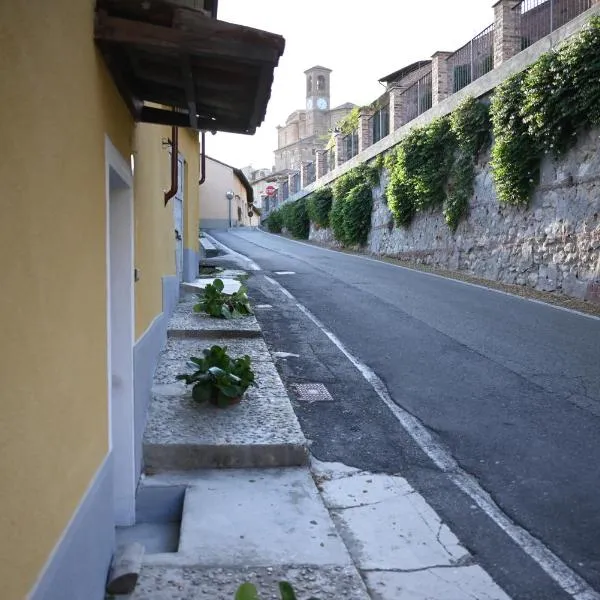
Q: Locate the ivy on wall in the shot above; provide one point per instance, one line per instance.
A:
(541, 111)
(350, 216)
(292, 216)
(319, 206)
(434, 165)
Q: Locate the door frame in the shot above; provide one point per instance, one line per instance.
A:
(120, 320)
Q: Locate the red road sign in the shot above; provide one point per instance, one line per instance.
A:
(271, 191)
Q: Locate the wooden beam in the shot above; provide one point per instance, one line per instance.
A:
(209, 38)
(167, 117)
(262, 95)
(190, 92)
(120, 71)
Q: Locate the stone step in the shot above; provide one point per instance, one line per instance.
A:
(186, 323)
(196, 583)
(207, 248)
(258, 526)
(261, 431)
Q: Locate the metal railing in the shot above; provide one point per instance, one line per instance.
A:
(349, 146)
(472, 61)
(417, 98)
(379, 123)
(311, 173)
(326, 160)
(538, 18)
(295, 183)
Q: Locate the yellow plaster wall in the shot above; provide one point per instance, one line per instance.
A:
(154, 234)
(154, 244)
(219, 179)
(57, 104)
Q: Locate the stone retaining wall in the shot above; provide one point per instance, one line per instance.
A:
(553, 245)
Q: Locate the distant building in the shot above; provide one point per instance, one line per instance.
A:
(307, 130)
(227, 198)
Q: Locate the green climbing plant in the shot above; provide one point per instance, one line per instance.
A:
(350, 216)
(319, 206)
(542, 110)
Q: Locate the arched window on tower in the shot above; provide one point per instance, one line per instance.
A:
(320, 83)
(309, 84)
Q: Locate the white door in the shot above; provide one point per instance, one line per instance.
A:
(120, 333)
(178, 205)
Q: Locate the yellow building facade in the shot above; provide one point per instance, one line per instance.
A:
(62, 124)
(226, 198)
(93, 252)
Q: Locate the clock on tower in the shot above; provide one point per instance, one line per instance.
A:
(322, 103)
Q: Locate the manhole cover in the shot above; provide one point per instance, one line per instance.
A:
(312, 392)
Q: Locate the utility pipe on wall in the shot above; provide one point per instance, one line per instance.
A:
(202, 158)
(174, 164)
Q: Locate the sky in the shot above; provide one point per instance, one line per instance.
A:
(361, 41)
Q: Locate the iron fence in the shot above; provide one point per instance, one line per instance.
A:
(295, 183)
(349, 146)
(285, 190)
(417, 98)
(311, 173)
(379, 123)
(473, 60)
(538, 18)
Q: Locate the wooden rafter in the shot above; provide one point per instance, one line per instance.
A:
(207, 74)
(190, 93)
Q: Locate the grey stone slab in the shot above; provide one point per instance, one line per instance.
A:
(389, 526)
(155, 537)
(258, 517)
(230, 285)
(457, 583)
(260, 431)
(173, 359)
(325, 583)
(186, 323)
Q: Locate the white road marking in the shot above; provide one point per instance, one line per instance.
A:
(285, 355)
(553, 566)
(285, 272)
(476, 285)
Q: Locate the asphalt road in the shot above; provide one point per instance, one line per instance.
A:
(510, 387)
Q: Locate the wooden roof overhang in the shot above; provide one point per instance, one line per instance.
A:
(177, 66)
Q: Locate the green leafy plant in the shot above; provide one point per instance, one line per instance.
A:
(274, 221)
(542, 110)
(319, 206)
(422, 167)
(434, 165)
(470, 125)
(350, 216)
(248, 591)
(217, 378)
(216, 303)
(516, 153)
(297, 221)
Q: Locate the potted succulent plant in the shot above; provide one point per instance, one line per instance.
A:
(217, 378)
(216, 303)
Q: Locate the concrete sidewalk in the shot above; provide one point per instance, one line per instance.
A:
(330, 530)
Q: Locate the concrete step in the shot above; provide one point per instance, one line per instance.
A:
(186, 323)
(261, 526)
(261, 431)
(207, 248)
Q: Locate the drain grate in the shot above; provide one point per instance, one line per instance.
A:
(312, 392)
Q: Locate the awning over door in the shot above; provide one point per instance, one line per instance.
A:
(178, 66)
